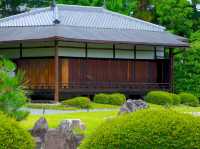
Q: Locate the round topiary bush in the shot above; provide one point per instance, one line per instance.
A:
(189, 99)
(147, 129)
(12, 136)
(117, 99)
(176, 99)
(80, 102)
(101, 98)
(113, 99)
(159, 97)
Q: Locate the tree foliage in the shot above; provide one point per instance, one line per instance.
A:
(12, 93)
(175, 15)
(187, 67)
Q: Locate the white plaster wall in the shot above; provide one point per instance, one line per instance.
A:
(124, 54)
(10, 53)
(123, 51)
(37, 52)
(97, 53)
(71, 52)
(145, 54)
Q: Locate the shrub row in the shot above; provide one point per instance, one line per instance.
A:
(146, 129)
(113, 99)
(80, 102)
(166, 98)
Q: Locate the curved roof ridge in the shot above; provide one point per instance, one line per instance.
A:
(80, 6)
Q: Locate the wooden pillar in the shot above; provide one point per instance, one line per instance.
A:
(20, 48)
(155, 53)
(134, 64)
(56, 62)
(86, 50)
(114, 51)
(171, 70)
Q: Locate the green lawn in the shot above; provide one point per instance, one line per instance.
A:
(62, 107)
(91, 119)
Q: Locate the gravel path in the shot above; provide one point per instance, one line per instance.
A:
(48, 111)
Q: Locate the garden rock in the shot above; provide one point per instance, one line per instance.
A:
(63, 137)
(40, 128)
(132, 106)
(39, 131)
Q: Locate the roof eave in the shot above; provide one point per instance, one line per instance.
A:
(59, 38)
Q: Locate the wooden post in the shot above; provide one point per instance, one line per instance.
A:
(86, 50)
(114, 52)
(155, 53)
(134, 64)
(20, 48)
(56, 61)
(171, 70)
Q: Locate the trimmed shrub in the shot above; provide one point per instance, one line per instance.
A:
(101, 98)
(146, 129)
(176, 99)
(113, 99)
(12, 136)
(189, 99)
(80, 102)
(159, 97)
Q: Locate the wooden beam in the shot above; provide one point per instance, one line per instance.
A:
(171, 70)
(56, 62)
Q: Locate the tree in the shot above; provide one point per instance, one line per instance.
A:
(12, 91)
(187, 67)
(196, 15)
(144, 11)
(176, 15)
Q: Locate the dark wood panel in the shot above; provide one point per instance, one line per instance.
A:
(37, 71)
(94, 70)
(88, 71)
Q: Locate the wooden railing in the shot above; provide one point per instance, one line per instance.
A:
(102, 85)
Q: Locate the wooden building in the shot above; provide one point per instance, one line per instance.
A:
(66, 49)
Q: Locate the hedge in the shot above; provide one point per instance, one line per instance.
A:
(113, 99)
(176, 99)
(189, 99)
(159, 97)
(12, 136)
(80, 102)
(147, 129)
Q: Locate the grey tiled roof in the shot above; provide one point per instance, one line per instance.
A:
(83, 16)
(81, 23)
(82, 34)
